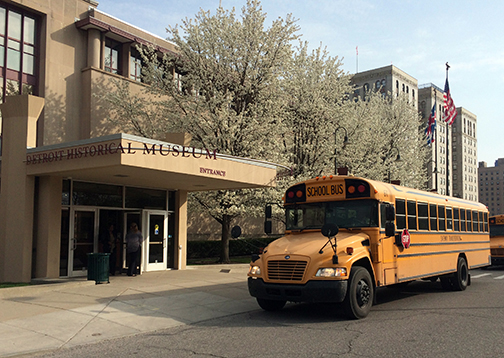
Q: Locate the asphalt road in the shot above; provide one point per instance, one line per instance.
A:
(420, 321)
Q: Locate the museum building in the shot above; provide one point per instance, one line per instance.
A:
(66, 173)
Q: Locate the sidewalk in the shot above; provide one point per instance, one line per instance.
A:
(70, 312)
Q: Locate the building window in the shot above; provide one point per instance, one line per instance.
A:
(18, 51)
(112, 56)
(135, 65)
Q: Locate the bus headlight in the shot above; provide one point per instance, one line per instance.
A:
(331, 272)
(255, 270)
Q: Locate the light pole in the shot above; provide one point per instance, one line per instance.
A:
(345, 142)
(398, 159)
(434, 171)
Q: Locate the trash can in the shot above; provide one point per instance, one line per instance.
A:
(98, 267)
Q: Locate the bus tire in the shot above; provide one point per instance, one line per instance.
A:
(460, 278)
(270, 305)
(360, 293)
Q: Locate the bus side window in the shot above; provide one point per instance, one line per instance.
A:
(475, 220)
(433, 217)
(441, 215)
(485, 220)
(412, 215)
(462, 220)
(456, 226)
(449, 225)
(468, 220)
(480, 221)
(400, 214)
(423, 216)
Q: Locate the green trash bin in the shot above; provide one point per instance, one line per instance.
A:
(98, 267)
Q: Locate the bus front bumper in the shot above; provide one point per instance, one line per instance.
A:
(497, 261)
(312, 291)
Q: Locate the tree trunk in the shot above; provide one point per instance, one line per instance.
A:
(226, 234)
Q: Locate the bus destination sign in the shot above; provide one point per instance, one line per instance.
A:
(317, 191)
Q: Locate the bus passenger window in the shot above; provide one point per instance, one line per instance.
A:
(462, 220)
(433, 217)
(485, 221)
(468, 220)
(441, 215)
(480, 221)
(449, 225)
(423, 216)
(456, 226)
(400, 214)
(412, 218)
(475, 220)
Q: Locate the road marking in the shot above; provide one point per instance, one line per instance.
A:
(499, 277)
(482, 275)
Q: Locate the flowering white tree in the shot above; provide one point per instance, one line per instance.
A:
(227, 94)
(246, 90)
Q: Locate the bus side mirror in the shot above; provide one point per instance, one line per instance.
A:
(268, 228)
(390, 213)
(390, 229)
(267, 212)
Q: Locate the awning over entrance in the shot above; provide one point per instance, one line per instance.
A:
(136, 161)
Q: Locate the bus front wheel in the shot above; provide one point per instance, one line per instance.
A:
(270, 305)
(360, 293)
(460, 278)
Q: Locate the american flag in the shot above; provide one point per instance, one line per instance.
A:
(450, 112)
(431, 126)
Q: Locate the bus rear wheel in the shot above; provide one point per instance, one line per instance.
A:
(460, 278)
(360, 293)
(270, 305)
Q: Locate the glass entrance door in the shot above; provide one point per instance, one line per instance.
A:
(82, 242)
(155, 242)
(130, 217)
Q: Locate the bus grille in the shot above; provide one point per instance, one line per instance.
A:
(499, 252)
(286, 270)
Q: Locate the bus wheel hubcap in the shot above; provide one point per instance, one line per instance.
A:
(363, 293)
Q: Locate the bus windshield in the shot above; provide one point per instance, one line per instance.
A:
(345, 214)
(496, 230)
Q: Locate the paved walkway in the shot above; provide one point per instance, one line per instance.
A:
(69, 312)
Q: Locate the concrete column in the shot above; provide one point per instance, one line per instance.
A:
(19, 114)
(181, 229)
(93, 48)
(48, 229)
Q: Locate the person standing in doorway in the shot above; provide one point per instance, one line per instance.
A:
(109, 242)
(134, 243)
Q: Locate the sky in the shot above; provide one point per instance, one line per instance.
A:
(418, 37)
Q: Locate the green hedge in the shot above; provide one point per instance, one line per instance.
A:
(237, 247)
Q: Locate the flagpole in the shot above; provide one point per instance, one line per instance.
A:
(435, 143)
(356, 59)
(447, 157)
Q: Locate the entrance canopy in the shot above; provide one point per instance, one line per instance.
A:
(136, 161)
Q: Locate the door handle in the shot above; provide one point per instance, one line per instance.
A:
(74, 244)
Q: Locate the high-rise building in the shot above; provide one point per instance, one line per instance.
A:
(438, 163)
(451, 166)
(491, 186)
(465, 155)
(388, 79)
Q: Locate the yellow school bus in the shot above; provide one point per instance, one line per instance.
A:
(346, 236)
(497, 239)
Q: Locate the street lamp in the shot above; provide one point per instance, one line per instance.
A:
(398, 159)
(345, 142)
(434, 171)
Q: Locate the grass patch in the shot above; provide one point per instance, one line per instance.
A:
(13, 284)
